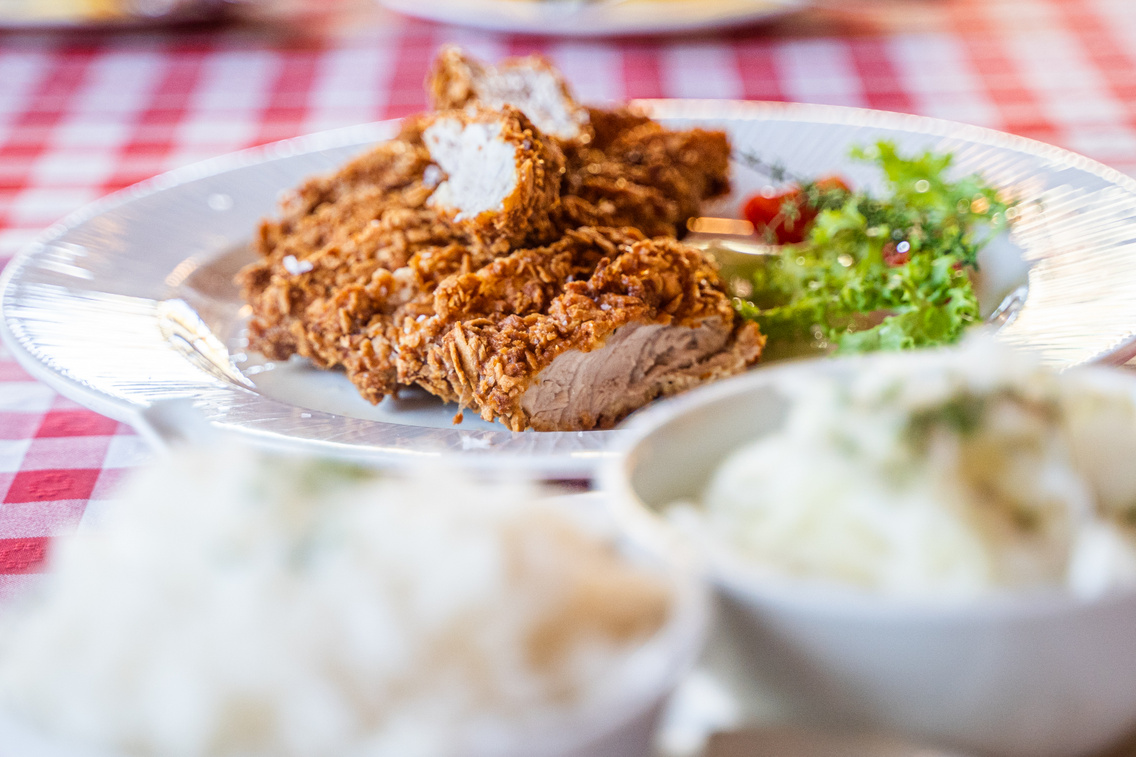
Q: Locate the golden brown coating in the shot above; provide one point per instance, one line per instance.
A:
(608, 125)
(340, 262)
(623, 169)
(334, 236)
(531, 84)
(497, 330)
(499, 176)
(645, 176)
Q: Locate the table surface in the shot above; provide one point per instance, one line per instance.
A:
(83, 114)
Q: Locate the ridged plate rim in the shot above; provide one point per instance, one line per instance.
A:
(584, 18)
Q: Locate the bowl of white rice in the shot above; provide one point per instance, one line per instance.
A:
(234, 603)
(939, 543)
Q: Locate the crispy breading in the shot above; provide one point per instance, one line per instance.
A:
(334, 233)
(645, 176)
(609, 125)
(494, 331)
(623, 169)
(500, 176)
(531, 84)
(338, 259)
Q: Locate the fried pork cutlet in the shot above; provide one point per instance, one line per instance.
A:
(622, 168)
(504, 269)
(336, 234)
(500, 177)
(351, 251)
(577, 334)
(530, 84)
(647, 176)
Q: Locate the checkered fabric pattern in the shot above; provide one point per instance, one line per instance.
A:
(56, 459)
(81, 116)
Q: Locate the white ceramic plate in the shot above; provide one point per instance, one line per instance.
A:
(130, 300)
(594, 18)
(63, 15)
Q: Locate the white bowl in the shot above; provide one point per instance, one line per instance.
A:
(1012, 675)
(621, 722)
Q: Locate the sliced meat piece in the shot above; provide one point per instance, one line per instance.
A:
(352, 250)
(531, 84)
(576, 335)
(644, 176)
(369, 318)
(637, 363)
(499, 175)
(622, 168)
(335, 233)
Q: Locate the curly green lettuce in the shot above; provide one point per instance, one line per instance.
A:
(881, 273)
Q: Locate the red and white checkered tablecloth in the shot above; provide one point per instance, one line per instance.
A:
(82, 115)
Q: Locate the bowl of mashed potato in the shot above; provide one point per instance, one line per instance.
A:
(234, 603)
(939, 543)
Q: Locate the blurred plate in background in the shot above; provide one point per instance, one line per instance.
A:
(586, 18)
(84, 14)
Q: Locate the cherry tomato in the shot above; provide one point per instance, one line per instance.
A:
(767, 214)
(832, 182)
(896, 254)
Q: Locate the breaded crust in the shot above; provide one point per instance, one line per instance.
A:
(644, 175)
(334, 234)
(461, 144)
(622, 168)
(337, 264)
(496, 330)
(531, 84)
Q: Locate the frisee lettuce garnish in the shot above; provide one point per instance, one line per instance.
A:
(883, 273)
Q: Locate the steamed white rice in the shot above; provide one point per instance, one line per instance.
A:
(235, 604)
